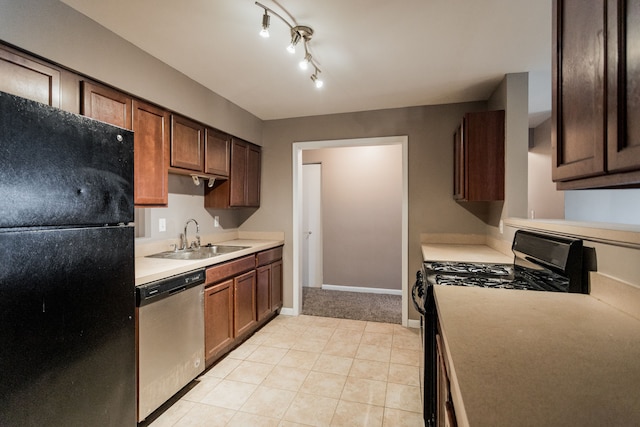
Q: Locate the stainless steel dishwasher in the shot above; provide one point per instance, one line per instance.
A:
(170, 316)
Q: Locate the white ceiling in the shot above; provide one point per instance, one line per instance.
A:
(374, 54)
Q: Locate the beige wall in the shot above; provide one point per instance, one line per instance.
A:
(431, 205)
(361, 215)
(512, 96)
(544, 200)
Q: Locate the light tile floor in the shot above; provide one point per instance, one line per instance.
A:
(309, 371)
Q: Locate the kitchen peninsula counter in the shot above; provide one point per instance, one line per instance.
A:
(532, 358)
(463, 253)
(151, 269)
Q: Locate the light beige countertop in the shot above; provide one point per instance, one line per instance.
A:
(150, 269)
(463, 253)
(526, 358)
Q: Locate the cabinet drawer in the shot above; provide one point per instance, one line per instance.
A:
(229, 269)
(268, 256)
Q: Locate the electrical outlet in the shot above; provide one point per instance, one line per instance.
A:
(501, 227)
(162, 225)
(216, 221)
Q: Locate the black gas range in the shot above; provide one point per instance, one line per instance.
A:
(542, 262)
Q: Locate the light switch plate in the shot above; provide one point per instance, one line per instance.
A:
(162, 225)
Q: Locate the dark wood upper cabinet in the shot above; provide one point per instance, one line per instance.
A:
(187, 144)
(623, 85)
(151, 154)
(252, 186)
(150, 125)
(217, 153)
(29, 78)
(578, 89)
(595, 94)
(242, 189)
(107, 105)
(478, 147)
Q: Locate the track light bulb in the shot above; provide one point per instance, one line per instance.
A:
(295, 38)
(304, 64)
(265, 25)
(314, 77)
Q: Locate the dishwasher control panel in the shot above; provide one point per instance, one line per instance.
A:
(160, 289)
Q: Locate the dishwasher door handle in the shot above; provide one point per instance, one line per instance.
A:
(177, 290)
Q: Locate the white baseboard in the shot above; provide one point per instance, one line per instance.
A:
(412, 323)
(359, 289)
(285, 311)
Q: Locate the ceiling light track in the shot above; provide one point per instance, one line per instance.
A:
(298, 33)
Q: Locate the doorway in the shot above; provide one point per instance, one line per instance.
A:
(299, 231)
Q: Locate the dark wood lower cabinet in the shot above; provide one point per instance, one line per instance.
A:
(218, 316)
(263, 293)
(276, 286)
(244, 297)
(240, 295)
(269, 289)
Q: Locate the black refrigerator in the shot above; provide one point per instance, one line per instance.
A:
(67, 292)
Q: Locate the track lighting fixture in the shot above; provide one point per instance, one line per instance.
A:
(298, 33)
(265, 24)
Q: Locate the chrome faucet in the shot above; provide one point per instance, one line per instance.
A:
(184, 241)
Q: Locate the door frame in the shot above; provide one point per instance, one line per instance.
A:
(298, 235)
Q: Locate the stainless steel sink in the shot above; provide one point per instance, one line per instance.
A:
(202, 252)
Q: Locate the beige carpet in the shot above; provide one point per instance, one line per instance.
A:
(352, 305)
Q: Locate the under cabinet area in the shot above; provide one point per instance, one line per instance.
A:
(478, 151)
(595, 139)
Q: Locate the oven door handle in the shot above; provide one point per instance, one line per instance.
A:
(417, 292)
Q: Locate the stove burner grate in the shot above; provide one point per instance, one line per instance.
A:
(470, 268)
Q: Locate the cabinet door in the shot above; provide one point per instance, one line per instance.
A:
(623, 133)
(107, 105)
(263, 291)
(151, 154)
(29, 79)
(238, 177)
(578, 91)
(217, 151)
(478, 147)
(244, 298)
(254, 155)
(458, 166)
(218, 317)
(187, 144)
(276, 286)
